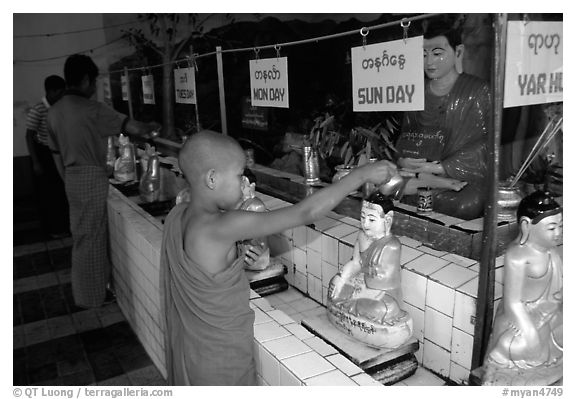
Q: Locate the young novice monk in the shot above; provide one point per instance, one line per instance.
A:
(209, 321)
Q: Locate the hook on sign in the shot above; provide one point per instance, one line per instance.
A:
(256, 51)
(405, 24)
(364, 34)
(277, 48)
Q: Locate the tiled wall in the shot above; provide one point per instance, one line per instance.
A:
(439, 288)
(286, 353)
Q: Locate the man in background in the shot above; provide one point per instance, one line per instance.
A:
(50, 194)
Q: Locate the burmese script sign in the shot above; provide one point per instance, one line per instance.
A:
(269, 82)
(124, 85)
(388, 76)
(148, 89)
(185, 85)
(533, 63)
(254, 117)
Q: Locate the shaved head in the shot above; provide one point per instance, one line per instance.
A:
(207, 150)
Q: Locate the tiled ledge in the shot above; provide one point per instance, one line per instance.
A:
(286, 353)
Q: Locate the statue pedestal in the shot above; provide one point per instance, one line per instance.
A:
(268, 281)
(385, 365)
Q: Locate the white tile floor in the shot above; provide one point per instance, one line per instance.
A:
(298, 306)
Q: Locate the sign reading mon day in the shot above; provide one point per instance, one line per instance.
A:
(269, 82)
(388, 76)
(534, 68)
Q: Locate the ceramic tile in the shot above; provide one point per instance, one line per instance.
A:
(331, 378)
(453, 275)
(328, 271)
(440, 297)
(287, 378)
(498, 290)
(257, 356)
(329, 250)
(254, 295)
(408, 254)
(324, 296)
(426, 264)
(459, 260)
(301, 281)
(290, 295)
(438, 328)
(308, 365)
(344, 365)
(350, 239)
(286, 309)
(464, 312)
(325, 224)
(283, 348)
(270, 368)
(314, 263)
(299, 257)
(476, 224)
(340, 230)
(298, 331)
(299, 237)
(405, 206)
(315, 312)
(460, 375)
(436, 358)
(417, 320)
(499, 275)
(470, 288)
(351, 221)
(304, 304)
(462, 346)
(432, 251)
(260, 317)
(499, 261)
(423, 377)
(414, 288)
(269, 331)
(315, 288)
(288, 234)
(320, 346)
(280, 317)
(313, 240)
(365, 380)
(409, 242)
(345, 252)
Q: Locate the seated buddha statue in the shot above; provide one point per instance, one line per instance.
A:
(365, 297)
(526, 345)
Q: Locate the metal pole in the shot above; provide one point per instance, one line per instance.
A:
(485, 297)
(221, 89)
(198, 127)
(130, 110)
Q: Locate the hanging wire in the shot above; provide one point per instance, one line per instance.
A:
(72, 31)
(67, 55)
(297, 42)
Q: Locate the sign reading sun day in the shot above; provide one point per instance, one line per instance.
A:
(533, 63)
(269, 82)
(388, 76)
(185, 85)
(148, 89)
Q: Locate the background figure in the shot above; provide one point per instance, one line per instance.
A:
(448, 138)
(526, 344)
(78, 128)
(52, 203)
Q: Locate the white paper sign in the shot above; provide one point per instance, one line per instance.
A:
(533, 63)
(388, 76)
(124, 84)
(148, 89)
(185, 85)
(269, 82)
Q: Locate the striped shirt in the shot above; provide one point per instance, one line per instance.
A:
(36, 120)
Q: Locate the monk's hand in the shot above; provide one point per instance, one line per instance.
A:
(411, 164)
(154, 129)
(379, 172)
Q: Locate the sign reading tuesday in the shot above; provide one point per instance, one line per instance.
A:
(185, 85)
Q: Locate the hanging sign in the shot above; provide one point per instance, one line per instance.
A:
(185, 85)
(124, 84)
(388, 76)
(106, 88)
(148, 89)
(269, 82)
(254, 117)
(533, 63)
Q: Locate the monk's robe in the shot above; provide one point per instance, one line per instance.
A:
(209, 335)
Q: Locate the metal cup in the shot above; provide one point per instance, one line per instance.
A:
(311, 165)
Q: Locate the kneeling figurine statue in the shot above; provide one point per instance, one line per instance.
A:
(365, 297)
(526, 345)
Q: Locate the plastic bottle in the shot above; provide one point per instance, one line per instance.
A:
(150, 181)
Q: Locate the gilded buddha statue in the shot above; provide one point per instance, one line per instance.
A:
(526, 345)
(365, 297)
